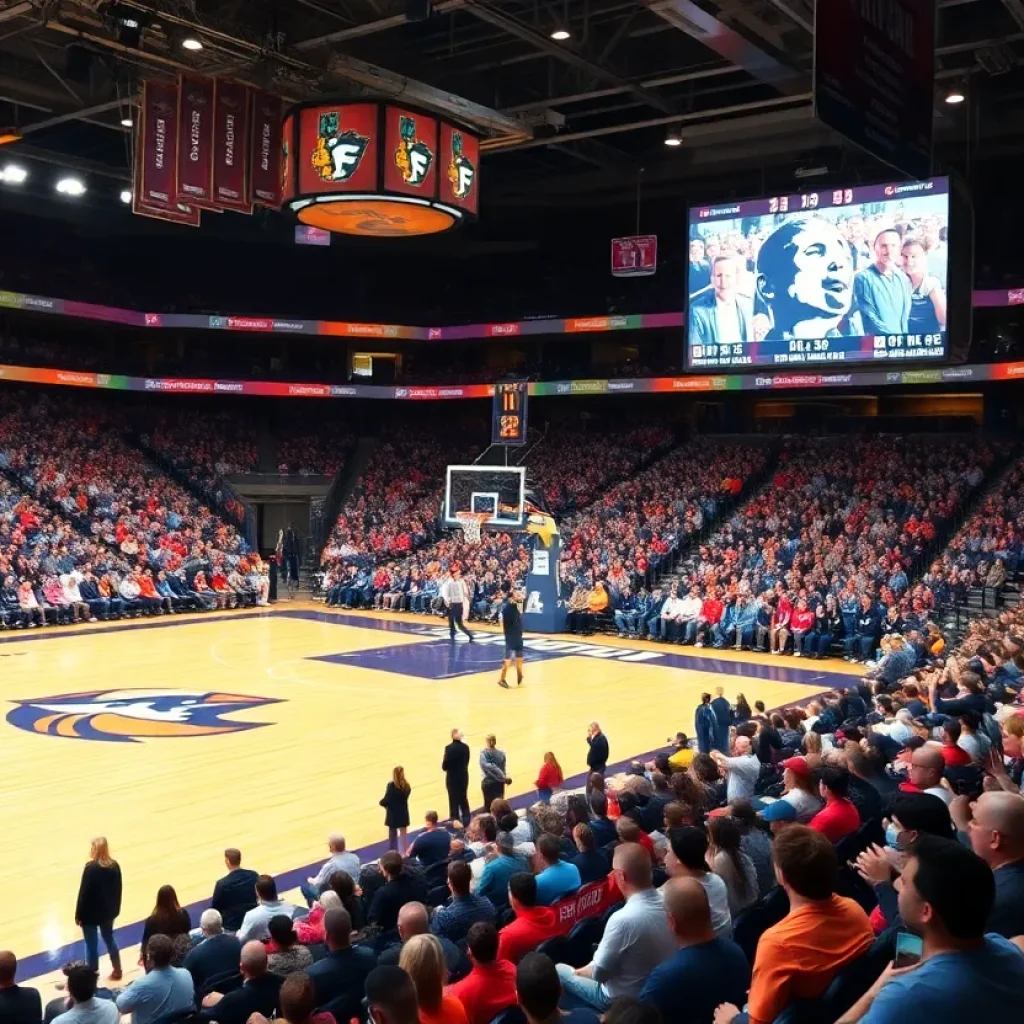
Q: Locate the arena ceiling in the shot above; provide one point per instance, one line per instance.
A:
(571, 121)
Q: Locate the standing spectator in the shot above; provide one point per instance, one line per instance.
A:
(597, 754)
(99, 903)
(723, 719)
(705, 971)
(490, 986)
(455, 594)
(636, 939)
(234, 895)
(705, 725)
(21, 1005)
(822, 933)
(162, 990)
(339, 860)
(396, 804)
(423, 960)
(455, 766)
(492, 768)
(946, 897)
(549, 778)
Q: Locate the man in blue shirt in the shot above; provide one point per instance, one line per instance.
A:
(165, 989)
(493, 882)
(996, 829)
(946, 894)
(559, 877)
(881, 292)
(433, 844)
(464, 909)
(705, 972)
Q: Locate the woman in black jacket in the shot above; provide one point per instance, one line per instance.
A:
(99, 903)
(396, 803)
(168, 918)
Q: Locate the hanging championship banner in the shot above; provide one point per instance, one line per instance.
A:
(157, 146)
(195, 141)
(176, 213)
(265, 150)
(231, 147)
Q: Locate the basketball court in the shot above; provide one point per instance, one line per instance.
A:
(266, 730)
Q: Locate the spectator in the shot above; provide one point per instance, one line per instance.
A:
(839, 817)
(339, 860)
(217, 954)
(423, 960)
(490, 986)
(590, 862)
(549, 778)
(687, 858)
(540, 991)
(636, 939)
(286, 954)
(168, 918)
(946, 897)
(396, 802)
(298, 1003)
(597, 749)
(705, 971)
(255, 924)
(414, 920)
(492, 769)
(85, 1008)
(821, 934)
(742, 770)
(400, 888)
(532, 924)
(799, 801)
(996, 830)
(21, 1005)
(391, 996)
(556, 877)
(162, 990)
(340, 975)
(99, 904)
(259, 993)
(234, 895)
(927, 766)
(755, 842)
(433, 844)
(463, 909)
(731, 864)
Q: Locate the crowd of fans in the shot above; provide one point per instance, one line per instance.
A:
(305, 452)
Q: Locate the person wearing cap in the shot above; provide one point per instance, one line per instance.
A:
(500, 867)
(838, 818)
(799, 800)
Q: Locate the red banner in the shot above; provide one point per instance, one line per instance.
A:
(460, 168)
(635, 256)
(195, 140)
(337, 149)
(265, 177)
(231, 147)
(410, 152)
(157, 146)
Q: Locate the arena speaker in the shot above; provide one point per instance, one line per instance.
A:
(417, 10)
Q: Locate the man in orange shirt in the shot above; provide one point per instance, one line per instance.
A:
(821, 934)
(532, 925)
(490, 986)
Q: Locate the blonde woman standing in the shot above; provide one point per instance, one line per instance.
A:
(396, 804)
(99, 904)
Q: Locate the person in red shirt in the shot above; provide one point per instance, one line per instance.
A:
(549, 778)
(710, 616)
(490, 986)
(839, 817)
(803, 622)
(532, 924)
(954, 755)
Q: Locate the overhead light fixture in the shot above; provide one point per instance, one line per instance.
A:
(674, 138)
(192, 43)
(561, 34)
(71, 187)
(13, 174)
(955, 96)
(126, 195)
(126, 122)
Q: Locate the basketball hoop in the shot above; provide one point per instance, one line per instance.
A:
(472, 524)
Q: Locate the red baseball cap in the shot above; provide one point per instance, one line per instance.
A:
(798, 765)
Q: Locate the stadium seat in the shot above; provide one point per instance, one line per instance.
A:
(559, 949)
(749, 925)
(513, 1015)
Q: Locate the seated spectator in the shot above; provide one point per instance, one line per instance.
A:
(345, 889)
(286, 954)
(391, 997)
(340, 975)
(216, 955)
(731, 864)
(822, 933)
(234, 895)
(755, 842)
(310, 929)
(168, 918)
(490, 986)
(946, 896)
(298, 1003)
(687, 858)
(433, 844)
(85, 1008)
(21, 1005)
(423, 960)
(799, 801)
(339, 860)
(162, 990)
(259, 993)
(464, 908)
(499, 867)
(413, 919)
(400, 888)
(953, 755)
(540, 991)
(927, 766)
(556, 876)
(636, 939)
(839, 817)
(590, 862)
(705, 971)
(532, 925)
(996, 829)
(256, 923)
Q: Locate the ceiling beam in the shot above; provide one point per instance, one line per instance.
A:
(16, 11)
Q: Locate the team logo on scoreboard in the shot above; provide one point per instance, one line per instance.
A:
(337, 154)
(412, 155)
(127, 716)
(461, 172)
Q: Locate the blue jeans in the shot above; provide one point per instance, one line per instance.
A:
(310, 893)
(627, 622)
(544, 795)
(91, 933)
(824, 643)
(804, 641)
(741, 636)
(577, 991)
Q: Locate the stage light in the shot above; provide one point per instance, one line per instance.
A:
(561, 34)
(955, 96)
(126, 122)
(674, 138)
(126, 196)
(192, 43)
(71, 187)
(13, 174)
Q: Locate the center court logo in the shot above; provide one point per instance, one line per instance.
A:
(127, 716)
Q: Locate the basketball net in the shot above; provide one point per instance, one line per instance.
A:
(472, 524)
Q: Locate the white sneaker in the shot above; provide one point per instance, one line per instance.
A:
(796, 654)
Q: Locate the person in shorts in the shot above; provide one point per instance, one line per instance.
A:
(512, 624)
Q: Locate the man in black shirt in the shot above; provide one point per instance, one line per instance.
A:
(456, 778)
(339, 977)
(17, 1005)
(259, 992)
(400, 888)
(234, 895)
(512, 624)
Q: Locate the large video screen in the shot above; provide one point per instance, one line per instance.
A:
(842, 275)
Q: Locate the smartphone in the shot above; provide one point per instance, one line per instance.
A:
(908, 949)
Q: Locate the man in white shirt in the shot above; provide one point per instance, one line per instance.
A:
(255, 924)
(742, 770)
(340, 860)
(689, 613)
(670, 615)
(455, 594)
